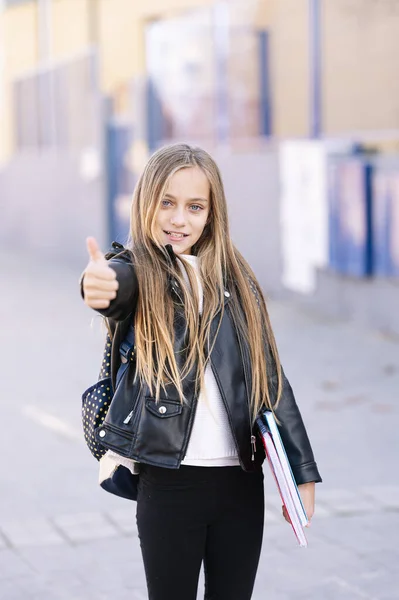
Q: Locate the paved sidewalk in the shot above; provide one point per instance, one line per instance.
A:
(62, 537)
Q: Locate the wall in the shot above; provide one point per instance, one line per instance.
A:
(361, 83)
(251, 183)
(20, 53)
(290, 67)
(70, 27)
(65, 208)
(360, 49)
(50, 207)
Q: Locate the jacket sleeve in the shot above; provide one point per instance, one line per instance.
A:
(294, 436)
(126, 300)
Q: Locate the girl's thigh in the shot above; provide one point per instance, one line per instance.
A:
(172, 533)
(234, 542)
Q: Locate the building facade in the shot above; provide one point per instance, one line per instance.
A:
(356, 52)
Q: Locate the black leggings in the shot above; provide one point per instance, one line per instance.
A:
(194, 514)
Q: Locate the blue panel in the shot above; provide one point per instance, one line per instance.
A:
(335, 247)
(381, 200)
(350, 218)
(120, 180)
(315, 53)
(265, 92)
(386, 218)
(394, 225)
(221, 52)
(156, 120)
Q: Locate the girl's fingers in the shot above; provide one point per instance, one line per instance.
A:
(101, 271)
(93, 294)
(97, 304)
(93, 283)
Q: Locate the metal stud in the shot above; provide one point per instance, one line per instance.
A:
(162, 410)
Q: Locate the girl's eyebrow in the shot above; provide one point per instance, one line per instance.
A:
(190, 199)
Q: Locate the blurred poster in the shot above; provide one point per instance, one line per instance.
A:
(208, 74)
(180, 65)
(244, 83)
(304, 211)
(245, 70)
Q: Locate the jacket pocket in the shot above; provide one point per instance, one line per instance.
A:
(161, 429)
(164, 409)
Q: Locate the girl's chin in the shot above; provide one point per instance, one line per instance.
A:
(178, 249)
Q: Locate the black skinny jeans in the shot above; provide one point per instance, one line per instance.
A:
(194, 514)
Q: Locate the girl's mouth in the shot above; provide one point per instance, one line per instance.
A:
(173, 235)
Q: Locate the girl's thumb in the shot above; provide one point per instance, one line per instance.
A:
(94, 249)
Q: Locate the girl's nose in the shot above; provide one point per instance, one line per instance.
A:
(178, 219)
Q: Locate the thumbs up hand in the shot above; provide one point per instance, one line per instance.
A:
(100, 285)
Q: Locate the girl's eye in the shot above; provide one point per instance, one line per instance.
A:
(196, 207)
(165, 202)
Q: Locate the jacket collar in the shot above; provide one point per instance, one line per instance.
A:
(171, 254)
(174, 284)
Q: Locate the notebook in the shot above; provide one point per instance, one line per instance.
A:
(281, 470)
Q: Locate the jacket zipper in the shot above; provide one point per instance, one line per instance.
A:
(253, 442)
(128, 418)
(190, 428)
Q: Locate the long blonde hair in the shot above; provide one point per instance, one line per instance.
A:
(220, 265)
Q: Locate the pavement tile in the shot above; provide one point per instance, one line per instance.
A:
(362, 538)
(12, 566)
(124, 519)
(47, 560)
(30, 532)
(9, 591)
(273, 514)
(385, 496)
(344, 502)
(139, 595)
(378, 582)
(83, 527)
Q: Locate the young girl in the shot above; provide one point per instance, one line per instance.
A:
(205, 365)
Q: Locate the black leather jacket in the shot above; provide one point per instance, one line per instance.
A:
(158, 433)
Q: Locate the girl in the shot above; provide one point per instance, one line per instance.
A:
(205, 365)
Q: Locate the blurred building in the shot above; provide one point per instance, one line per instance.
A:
(275, 70)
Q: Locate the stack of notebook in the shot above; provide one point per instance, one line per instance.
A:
(283, 475)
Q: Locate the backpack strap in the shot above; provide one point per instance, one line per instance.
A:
(126, 348)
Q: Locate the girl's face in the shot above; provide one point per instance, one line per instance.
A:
(184, 210)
